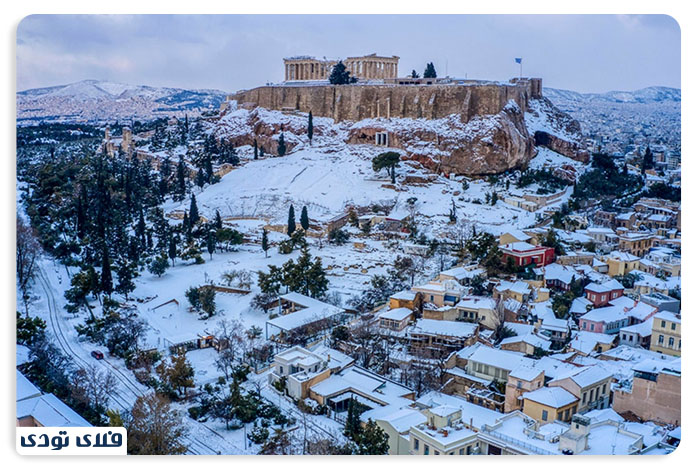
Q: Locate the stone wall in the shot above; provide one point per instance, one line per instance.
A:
(358, 102)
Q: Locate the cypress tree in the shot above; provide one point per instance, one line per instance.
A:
(304, 219)
(291, 220)
(281, 145)
(256, 149)
(172, 248)
(414, 74)
(264, 242)
(310, 128)
(210, 242)
(181, 179)
(193, 211)
(218, 220)
(106, 283)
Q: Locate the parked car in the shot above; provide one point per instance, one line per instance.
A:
(97, 355)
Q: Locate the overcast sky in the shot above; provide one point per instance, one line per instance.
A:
(586, 53)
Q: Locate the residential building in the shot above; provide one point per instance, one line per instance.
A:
(548, 404)
(654, 393)
(666, 334)
(590, 385)
(523, 254)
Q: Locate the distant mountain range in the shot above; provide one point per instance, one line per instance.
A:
(99, 101)
(653, 94)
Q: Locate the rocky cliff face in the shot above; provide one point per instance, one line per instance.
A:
(485, 145)
(448, 129)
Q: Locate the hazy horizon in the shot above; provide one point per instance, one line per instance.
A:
(583, 53)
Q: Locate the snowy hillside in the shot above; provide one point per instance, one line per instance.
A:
(95, 101)
(653, 94)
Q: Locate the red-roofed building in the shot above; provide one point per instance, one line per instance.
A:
(523, 254)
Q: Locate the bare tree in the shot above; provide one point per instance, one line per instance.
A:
(233, 345)
(93, 387)
(28, 250)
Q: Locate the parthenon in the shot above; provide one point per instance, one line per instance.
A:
(368, 67)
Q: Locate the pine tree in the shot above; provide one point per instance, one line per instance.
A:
(304, 218)
(291, 220)
(430, 71)
(193, 211)
(310, 128)
(256, 149)
(262, 152)
(373, 440)
(340, 75)
(264, 242)
(281, 145)
(648, 162)
(106, 283)
(414, 74)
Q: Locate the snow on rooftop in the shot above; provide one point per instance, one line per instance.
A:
(443, 328)
(554, 397)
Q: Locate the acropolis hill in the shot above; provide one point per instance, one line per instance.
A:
(491, 134)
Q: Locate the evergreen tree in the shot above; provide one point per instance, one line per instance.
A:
(264, 242)
(256, 149)
(291, 220)
(340, 75)
(158, 265)
(304, 218)
(352, 427)
(218, 220)
(262, 152)
(180, 179)
(193, 211)
(200, 178)
(414, 74)
(172, 249)
(281, 145)
(126, 273)
(388, 160)
(373, 440)
(310, 128)
(430, 71)
(210, 242)
(106, 282)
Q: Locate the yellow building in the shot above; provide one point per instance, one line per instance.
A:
(590, 385)
(549, 404)
(621, 263)
(666, 334)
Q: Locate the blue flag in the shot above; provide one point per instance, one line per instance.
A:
(518, 60)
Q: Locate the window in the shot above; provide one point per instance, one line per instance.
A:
(661, 339)
(592, 394)
(544, 415)
(415, 444)
(674, 326)
(592, 327)
(584, 397)
(426, 449)
(624, 337)
(663, 324)
(468, 449)
(671, 342)
(382, 139)
(461, 451)
(604, 389)
(519, 384)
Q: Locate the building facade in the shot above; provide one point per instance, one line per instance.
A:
(367, 67)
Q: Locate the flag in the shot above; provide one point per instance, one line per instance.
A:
(518, 60)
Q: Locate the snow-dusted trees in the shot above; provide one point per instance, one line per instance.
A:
(430, 71)
(291, 220)
(155, 427)
(176, 376)
(28, 250)
(388, 160)
(340, 75)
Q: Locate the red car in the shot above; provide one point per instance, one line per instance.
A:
(97, 355)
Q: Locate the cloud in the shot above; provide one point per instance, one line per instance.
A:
(230, 52)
